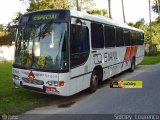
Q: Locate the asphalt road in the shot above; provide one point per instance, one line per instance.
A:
(106, 100)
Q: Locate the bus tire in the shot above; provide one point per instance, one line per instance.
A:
(132, 65)
(93, 82)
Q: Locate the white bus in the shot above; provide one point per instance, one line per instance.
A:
(63, 52)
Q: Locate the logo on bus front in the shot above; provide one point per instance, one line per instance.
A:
(31, 75)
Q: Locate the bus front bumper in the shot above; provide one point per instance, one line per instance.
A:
(37, 88)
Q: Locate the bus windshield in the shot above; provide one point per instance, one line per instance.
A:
(42, 45)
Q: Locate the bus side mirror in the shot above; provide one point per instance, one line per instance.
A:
(81, 22)
(78, 21)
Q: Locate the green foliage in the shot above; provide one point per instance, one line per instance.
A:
(131, 24)
(1, 27)
(3, 35)
(142, 25)
(16, 19)
(102, 12)
(58, 4)
(47, 4)
(7, 35)
(155, 6)
(156, 34)
(153, 39)
(3, 38)
(35, 5)
(83, 4)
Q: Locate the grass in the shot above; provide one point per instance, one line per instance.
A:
(15, 101)
(149, 60)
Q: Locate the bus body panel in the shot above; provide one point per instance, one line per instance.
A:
(80, 74)
(140, 54)
(22, 79)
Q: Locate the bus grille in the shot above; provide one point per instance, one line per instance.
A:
(33, 81)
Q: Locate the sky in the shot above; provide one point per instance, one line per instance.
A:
(9, 8)
(134, 9)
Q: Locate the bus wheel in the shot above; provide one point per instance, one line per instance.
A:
(93, 82)
(132, 65)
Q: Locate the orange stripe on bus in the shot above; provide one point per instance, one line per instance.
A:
(130, 52)
(127, 54)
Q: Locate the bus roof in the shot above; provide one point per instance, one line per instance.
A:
(101, 19)
(95, 18)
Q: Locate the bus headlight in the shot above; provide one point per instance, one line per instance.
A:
(55, 83)
(16, 77)
(50, 83)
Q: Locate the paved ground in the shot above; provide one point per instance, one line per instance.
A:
(108, 100)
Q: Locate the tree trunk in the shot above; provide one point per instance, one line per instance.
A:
(150, 20)
(124, 19)
(109, 8)
(158, 5)
(78, 5)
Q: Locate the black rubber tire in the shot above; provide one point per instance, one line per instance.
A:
(111, 85)
(132, 65)
(93, 82)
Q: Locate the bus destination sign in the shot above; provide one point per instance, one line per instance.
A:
(42, 17)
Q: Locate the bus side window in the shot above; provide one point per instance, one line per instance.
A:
(119, 37)
(106, 34)
(126, 34)
(97, 37)
(133, 38)
(141, 38)
(109, 32)
(79, 44)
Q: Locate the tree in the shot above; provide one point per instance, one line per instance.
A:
(3, 35)
(155, 33)
(123, 11)
(131, 24)
(58, 4)
(1, 27)
(16, 19)
(77, 5)
(47, 4)
(156, 6)
(102, 12)
(143, 26)
(82, 4)
(109, 8)
(140, 23)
